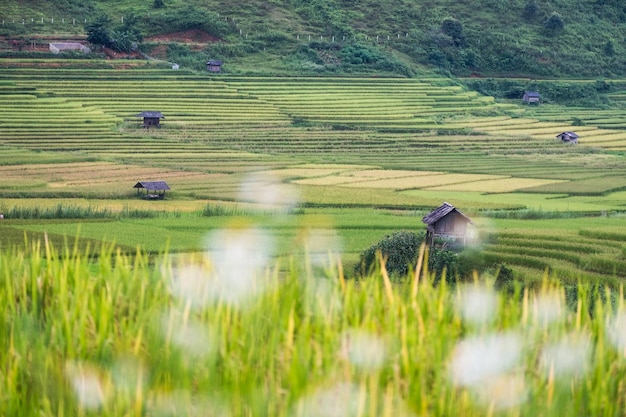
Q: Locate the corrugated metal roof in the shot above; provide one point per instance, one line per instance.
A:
(152, 185)
(151, 114)
(440, 212)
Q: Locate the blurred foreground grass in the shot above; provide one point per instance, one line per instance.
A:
(229, 333)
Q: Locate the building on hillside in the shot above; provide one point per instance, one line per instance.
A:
(568, 137)
(531, 97)
(214, 65)
(448, 225)
(57, 47)
(155, 190)
(151, 118)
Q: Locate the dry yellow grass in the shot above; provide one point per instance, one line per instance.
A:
(76, 175)
(422, 181)
(307, 172)
(388, 173)
(502, 185)
(353, 178)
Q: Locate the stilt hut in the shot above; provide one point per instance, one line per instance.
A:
(155, 190)
(214, 65)
(448, 224)
(151, 118)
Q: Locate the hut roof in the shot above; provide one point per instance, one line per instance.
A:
(532, 94)
(151, 114)
(214, 62)
(152, 185)
(442, 211)
(570, 135)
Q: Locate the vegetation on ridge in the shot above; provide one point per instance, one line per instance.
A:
(492, 37)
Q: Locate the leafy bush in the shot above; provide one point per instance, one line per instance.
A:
(454, 29)
(531, 10)
(400, 250)
(186, 18)
(554, 23)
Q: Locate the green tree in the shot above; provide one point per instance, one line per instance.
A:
(158, 4)
(554, 23)
(454, 29)
(531, 10)
(121, 41)
(99, 31)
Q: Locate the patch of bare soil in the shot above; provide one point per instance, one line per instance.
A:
(111, 54)
(159, 52)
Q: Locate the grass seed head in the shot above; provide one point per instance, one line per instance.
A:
(568, 357)
(478, 305)
(266, 190)
(479, 358)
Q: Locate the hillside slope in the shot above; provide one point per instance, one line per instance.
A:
(550, 38)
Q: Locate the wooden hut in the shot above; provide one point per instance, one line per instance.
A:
(531, 97)
(155, 190)
(151, 118)
(214, 65)
(447, 223)
(568, 137)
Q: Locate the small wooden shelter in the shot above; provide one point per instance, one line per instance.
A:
(447, 223)
(214, 65)
(531, 97)
(155, 190)
(568, 137)
(151, 118)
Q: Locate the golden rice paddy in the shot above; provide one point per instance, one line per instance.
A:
(502, 185)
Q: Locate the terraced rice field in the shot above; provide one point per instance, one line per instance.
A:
(343, 142)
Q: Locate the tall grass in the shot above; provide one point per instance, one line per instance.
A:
(122, 338)
(65, 211)
(532, 214)
(214, 210)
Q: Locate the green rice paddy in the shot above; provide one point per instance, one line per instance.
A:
(356, 145)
